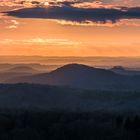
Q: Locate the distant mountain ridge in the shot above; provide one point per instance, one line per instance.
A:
(22, 69)
(119, 68)
(17, 71)
(11, 71)
(124, 71)
(82, 76)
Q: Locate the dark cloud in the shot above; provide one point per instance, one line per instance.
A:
(70, 13)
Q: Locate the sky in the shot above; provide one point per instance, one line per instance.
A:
(70, 27)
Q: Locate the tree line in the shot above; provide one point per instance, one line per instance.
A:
(29, 125)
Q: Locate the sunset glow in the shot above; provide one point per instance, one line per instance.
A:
(69, 34)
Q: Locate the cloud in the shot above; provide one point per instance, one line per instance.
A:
(76, 14)
(13, 24)
(11, 27)
(42, 41)
(31, 3)
(125, 22)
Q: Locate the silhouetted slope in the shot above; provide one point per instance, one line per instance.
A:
(119, 68)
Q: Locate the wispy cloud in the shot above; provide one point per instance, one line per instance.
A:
(13, 24)
(40, 41)
(123, 22)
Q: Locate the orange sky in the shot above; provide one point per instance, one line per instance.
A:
(60, 38)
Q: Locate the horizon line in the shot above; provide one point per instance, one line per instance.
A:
(70, 56)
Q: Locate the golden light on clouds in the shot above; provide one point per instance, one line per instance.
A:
(68, 37)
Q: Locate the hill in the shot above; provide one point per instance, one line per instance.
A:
(82, 76)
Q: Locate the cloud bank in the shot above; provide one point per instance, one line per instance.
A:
(77, 14)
